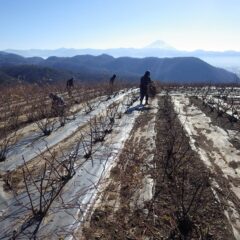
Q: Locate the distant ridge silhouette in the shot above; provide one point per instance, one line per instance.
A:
(89, 68)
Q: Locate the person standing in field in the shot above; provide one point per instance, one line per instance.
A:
(69, 86)
(112, 79)
(144, 86)
(111, 83)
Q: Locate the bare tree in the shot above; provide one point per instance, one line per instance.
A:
(8, 127)
(43, 187)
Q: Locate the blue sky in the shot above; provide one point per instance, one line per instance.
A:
(184, 24)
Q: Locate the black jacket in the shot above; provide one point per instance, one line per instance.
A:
(145, 81)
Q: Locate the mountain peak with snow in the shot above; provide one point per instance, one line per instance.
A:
(160, 44)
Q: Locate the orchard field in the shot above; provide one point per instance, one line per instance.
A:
(110, 168)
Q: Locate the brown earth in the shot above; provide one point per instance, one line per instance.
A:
(182, 206)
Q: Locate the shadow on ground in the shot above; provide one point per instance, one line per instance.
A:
(139, 108)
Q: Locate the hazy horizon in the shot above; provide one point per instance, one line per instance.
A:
(197, 49)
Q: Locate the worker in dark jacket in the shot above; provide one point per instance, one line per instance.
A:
(69, 87)
(111, 83)
(58, 107)
(70, 83)
(144, 85)
(112, 79)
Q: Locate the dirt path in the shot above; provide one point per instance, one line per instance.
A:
(150, 190)
(120, 207)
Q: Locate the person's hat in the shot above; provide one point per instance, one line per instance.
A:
(147, 73)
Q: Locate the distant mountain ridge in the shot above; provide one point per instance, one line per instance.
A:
(97, 68)
(155, 49)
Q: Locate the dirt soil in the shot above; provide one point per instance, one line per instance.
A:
(168, 196)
